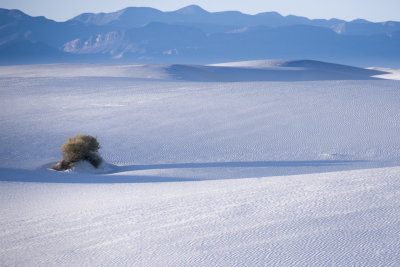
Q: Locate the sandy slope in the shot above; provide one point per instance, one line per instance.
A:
(257, 70)
(341, 219)
(153, 122)
(200, 170)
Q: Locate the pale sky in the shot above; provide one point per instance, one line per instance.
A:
(373, 10)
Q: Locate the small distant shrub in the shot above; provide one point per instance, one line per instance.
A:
(78, 148)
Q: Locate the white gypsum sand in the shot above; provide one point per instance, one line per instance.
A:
(261, 171)
(341, 218)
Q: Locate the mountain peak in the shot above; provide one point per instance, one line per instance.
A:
(12, 14)
(192, 9)
(135, 9)
(360, 21)
(270, 14)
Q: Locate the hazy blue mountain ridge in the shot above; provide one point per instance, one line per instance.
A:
(139, 16)
(193, 35)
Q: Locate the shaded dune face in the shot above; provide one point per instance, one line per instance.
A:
(296, 70)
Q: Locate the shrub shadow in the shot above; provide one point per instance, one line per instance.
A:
(236, 164)
(114, 174)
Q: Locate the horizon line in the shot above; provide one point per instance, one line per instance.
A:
(208, 11)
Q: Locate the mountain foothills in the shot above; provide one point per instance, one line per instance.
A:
(194, 35)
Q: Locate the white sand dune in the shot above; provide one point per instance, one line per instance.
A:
(341, 219)
(258, 70)
(285, 163)
(390, 74)
(143, 121)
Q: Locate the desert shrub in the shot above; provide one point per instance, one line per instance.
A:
(78, 148)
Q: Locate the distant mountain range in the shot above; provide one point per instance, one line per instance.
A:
(194, 35)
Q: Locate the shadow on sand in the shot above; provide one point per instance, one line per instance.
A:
(236, 164)
(120, 174)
